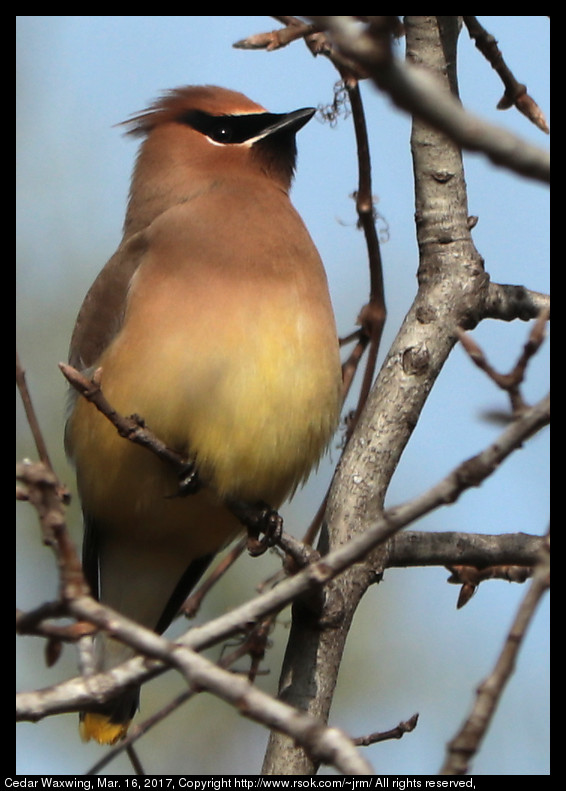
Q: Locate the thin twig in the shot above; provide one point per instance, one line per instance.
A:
(470, 577)
(31, 414)
(192, 604)
(133, 427)
(256, 517)
(44, 493)
(275, 39)
(466, 743)
(515, 92)
(510, 382)
(317, 42)
(350, 365)
(134, 760)
(394, 733)
(372, 316)
(39, 622)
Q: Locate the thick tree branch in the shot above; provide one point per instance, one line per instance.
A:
(451, 284)
(507, 303)
(415, 548)
(452, 288)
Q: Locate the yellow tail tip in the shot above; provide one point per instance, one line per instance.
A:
(101, 728)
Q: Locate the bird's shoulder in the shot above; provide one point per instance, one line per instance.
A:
(101, 314)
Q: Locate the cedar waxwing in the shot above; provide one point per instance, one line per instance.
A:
(213, 322)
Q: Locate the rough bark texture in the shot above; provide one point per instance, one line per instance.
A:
(452, 287)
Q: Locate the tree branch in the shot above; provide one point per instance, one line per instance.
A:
(76, 693)
(275, 39)
(415, 548)
(256, 517)
(452, 286)
(466, 743)
(414, 90)
(326, 744)
(507, 303)
(395, 733)
(372, 316)
(515, 92)
(453, 291)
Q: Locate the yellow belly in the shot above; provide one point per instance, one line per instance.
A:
(256, 409)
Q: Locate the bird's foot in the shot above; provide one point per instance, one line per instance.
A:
(259, 518)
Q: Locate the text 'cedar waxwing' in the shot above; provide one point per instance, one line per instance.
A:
(213, 322)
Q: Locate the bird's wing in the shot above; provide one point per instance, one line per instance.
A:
(102, 311)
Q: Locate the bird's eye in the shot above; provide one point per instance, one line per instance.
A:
(221, 133)
(228, 129)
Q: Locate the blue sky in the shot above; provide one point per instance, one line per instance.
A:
(79, 76)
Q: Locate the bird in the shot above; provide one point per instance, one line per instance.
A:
(213, 322)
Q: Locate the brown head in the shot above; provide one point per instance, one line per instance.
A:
(198, 134)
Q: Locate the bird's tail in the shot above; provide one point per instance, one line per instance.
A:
(109, 723)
